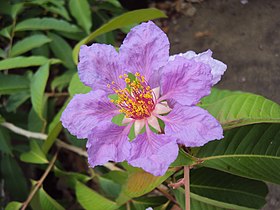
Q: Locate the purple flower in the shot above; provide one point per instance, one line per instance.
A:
(145, 85)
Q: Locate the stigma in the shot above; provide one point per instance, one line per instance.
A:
(136, 100)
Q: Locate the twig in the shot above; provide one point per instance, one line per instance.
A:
(178, 184)
(167, 195)
(187, 187)
(59, 143)
(39, 183)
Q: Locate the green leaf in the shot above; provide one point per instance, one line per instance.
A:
(47, 202)
(251, 151)
(51, 137)
(22, 62)
(140, 183)
(46, 24)
(37, 89)
(109, 187)
(2, 53)
(10, 84)
(183, 159)
(5, 142)
(227, 188)
(123, 20)
(35, 155)
(235, 109)
(14, 205)
(211, 189)
(82, 13)
(71, 177)
(145, 202)
(76, 86)
(62, 50)
(16, 99)
(13, 178)
(89, 199)
(29, 43)
(62, 81)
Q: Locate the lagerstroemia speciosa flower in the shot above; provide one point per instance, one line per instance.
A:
(146, 85)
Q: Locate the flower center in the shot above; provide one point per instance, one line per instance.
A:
(136, 100)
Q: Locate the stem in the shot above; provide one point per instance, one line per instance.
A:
(59, 143)
(187, 187)
(39, 183)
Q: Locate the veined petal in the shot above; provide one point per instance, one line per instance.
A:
(185, 81)
(192, 126)
(86, 111)
(99, 65)
(145, 49)
(154, 153)
(217, 67)
(108, 142)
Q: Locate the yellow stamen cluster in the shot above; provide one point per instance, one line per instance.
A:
(136, 100)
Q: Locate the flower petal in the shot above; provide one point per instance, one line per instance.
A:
(99, 65)
(154, 153)
(145, 49)
(217, 67)
(108, 143)
(185, 81)
(192, 126)
(138, 126)
(85, 111)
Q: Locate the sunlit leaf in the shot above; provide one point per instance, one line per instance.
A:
(125, 19)
(14, 205)
(235, 109)
(29, 43)
(76, 86)
(35, 155)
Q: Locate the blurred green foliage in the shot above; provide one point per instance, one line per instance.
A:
(39, 44)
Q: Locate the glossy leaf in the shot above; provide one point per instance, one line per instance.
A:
(251, 151)
(235, 109)
(228, 188)
(10, 83)
(76, 86)
(46, 24)
(29, 43)
(61, 50)
(35, 155)
(37, 88)
(211, 189)
(125, 19)
(22, 62)
(89, 199)
(82, 13)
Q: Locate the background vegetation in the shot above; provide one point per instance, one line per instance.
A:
(44, 167)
